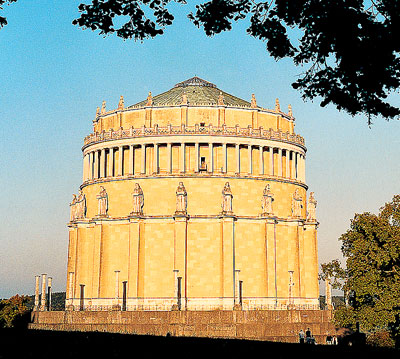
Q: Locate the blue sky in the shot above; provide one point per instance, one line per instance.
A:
(54, 75)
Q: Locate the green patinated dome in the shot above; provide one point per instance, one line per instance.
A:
(198, 92)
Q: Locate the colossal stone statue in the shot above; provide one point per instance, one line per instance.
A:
(297, 204)
(181, 199)
(138, 200)
(266, 202)
(80, 206)
(102, 198)
(312, 204)
(73, 208)
(227, 198)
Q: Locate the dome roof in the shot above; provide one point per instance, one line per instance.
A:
(198, 92)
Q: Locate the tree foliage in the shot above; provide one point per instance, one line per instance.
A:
(349, 48)
(3, 20)
(372, 250)
(334, 272)
(12, 309)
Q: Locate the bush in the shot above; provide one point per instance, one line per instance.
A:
(380, 339)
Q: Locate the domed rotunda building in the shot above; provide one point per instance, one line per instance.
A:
(193, 199)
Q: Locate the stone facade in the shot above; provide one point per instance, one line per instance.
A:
(273, 325)
(154, 226)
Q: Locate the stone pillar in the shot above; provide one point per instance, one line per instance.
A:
(211, 154)
(96, 164)
(280, 162)
(227, 263)
(103, 163)
(261, 165)
(36, 306)
(271, 161)
(180, 253)
(287, 174)
(120, 160)
(111, 162)
(71, 286)
(237, 158)
(143, 155)
(155, 158)
(131, 153)
(117, 285)
(182, 154)
(303, 168)
(84, 168)
(250, 159)
(43, 298)
(328, 294)
(90, 172)
(169, 151)
(49, 285)
(225, 158)
(293, 169)
(196, 154)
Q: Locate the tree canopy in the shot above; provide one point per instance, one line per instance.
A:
(372, 250)
(12, 310)
(3, 20)
(348, 49)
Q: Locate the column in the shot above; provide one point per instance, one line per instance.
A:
(211, 152)
(131, 152)
(280, 162)
(225, 158)
(84, 168)
(261, 165)
(287, 175)
(182, 154)
(250, 159)
(303, 168)
(328, 294)
(155, 158)
(90, 167)
(116, 285)
(169, 151)
(70, 286)
(271, 161)
(143, 154)
(96, 164)
(111, 162)
(196, 153)
(43, 299)
(293, 169)
(120, 160)
(237, 158)
(103, 163)
(49, 285)
(36, 307)
(297, 166)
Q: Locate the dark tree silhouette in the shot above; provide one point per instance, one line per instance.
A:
(3, 20)
(348, 48)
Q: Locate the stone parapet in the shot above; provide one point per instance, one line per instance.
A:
(282, 326)
(236, 131)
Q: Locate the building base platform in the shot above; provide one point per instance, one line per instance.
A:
(269, 325)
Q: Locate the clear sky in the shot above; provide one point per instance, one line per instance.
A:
(54, 75)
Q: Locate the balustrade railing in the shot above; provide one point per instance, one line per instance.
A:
(260, 132)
